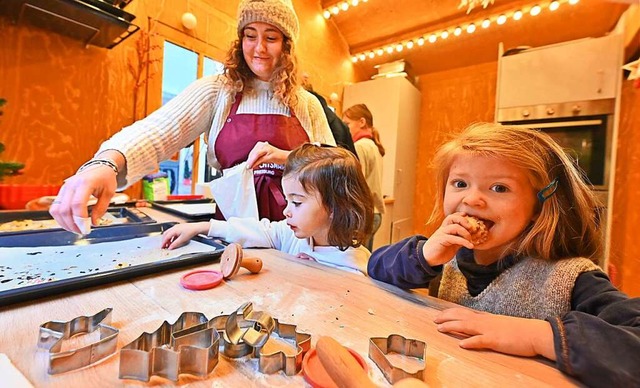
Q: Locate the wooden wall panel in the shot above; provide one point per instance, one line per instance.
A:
(451, 100)
(625, 254)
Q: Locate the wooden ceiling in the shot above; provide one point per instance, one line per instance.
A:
(380, 23)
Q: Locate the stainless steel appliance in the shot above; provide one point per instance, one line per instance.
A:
(583, 128)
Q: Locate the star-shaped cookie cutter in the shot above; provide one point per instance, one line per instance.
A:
(186, 346)
(53, 333)
(379, 347)
(279, 360)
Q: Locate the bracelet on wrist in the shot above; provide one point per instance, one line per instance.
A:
(99, 162)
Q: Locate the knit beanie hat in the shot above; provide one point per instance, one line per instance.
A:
(279, 13)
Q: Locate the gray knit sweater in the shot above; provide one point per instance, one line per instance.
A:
(531, 288)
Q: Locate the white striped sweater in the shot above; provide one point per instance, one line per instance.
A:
(203, 107)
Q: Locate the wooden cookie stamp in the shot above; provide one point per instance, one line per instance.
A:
(232, 259)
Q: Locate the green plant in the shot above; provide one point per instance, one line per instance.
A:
(7, 168)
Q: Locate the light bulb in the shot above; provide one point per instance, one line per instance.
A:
(457, 31)
(189, 21)
(433, 38)
(554, 5)
(471, 28)
(486, 23)
(535, 10)
(517, 15)
(501, 19)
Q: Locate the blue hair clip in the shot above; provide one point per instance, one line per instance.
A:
(548, 191)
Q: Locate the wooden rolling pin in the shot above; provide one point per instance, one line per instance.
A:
(345, 371)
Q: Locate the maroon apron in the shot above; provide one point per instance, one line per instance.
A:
(239, 135)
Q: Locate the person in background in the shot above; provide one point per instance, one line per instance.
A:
(254, 113)
(329, 213)
(370, 152)
(339, 129)
(530, 285)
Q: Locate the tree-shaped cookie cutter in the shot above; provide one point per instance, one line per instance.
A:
(53, 333)
(379, 347)
(188, 345)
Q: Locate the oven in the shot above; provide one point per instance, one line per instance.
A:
(584, 129)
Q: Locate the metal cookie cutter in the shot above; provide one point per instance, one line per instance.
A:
(188, 345)
(252, 327)
(278, 360)
(52, 334)
(379, 347)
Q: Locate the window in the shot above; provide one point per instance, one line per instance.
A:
(181, 67)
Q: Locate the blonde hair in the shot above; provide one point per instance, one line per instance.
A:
(360, 111)
(567, 222)
(337, 176)
(284, 79)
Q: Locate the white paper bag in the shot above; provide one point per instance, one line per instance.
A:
(235, 192)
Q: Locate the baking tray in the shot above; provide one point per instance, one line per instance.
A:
(130, 215)
(195, 210)
(44, 264)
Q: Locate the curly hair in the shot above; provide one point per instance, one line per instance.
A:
(284, 79)
(336, 175)
(567, 222)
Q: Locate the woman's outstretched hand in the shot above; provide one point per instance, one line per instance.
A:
(502, 333)
(263, 152)
(70, 207)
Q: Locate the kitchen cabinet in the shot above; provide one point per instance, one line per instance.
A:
(579, 70)
(395, 105)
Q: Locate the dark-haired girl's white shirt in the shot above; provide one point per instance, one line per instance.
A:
(251, 233)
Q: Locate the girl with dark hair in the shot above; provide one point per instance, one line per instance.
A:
(328, 214)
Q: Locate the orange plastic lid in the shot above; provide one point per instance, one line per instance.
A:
(201, 279)
(315, 374)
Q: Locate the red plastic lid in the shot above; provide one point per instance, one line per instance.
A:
(315, 374)
(183, 197)
(201, 279)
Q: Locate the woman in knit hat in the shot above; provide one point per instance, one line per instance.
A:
(252, 116)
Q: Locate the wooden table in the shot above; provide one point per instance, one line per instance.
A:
(318, 299)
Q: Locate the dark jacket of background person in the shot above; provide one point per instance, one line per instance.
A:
(339, 129)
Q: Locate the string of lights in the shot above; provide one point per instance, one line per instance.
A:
(457, 30)
(341, 7)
